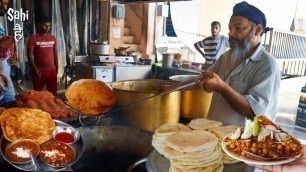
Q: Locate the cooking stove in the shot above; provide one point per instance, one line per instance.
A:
(114, 68)
(124, 68)
(117, 59)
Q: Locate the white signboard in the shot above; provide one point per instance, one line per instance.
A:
(299, 24)
(116, 32)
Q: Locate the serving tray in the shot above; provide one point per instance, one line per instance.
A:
(77, 146)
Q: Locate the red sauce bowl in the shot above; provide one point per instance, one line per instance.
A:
(18, 151)
(57, 154)
(66, 134)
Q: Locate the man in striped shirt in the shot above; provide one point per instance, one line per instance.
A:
(213, 46)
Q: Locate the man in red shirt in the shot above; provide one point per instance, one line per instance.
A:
(42, 55)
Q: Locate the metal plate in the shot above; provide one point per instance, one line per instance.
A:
(77, 146)
(158, 163)
(254, 161)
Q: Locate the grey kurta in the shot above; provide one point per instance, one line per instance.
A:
(258, 78)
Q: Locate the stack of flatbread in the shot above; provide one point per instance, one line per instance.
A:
(158, 141)
(221, 132)
(195, 150)
(203, 124)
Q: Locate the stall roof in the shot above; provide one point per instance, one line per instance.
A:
(140, 1)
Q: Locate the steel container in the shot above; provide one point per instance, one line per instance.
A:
(99, 48)
(168, 60)
(148, 115)
(195, 103)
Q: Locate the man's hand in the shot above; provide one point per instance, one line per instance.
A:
(211, 81)
(290, 167)
(5, 43)
(12, 59)
(38, 72)
(5, 79)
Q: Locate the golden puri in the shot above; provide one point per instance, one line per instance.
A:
(89, 96)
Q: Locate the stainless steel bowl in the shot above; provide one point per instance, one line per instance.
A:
(56, 153)
(67, 129)
(18, 142)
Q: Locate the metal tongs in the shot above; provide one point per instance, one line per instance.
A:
(166, 89)
(181, 85)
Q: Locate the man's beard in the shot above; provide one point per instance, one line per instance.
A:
(242, 49)
(2, 12)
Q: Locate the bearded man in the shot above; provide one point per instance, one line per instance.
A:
(246, 79)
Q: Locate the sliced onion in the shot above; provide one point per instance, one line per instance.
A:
(277, 137)
(236, 134)
(246, 134)
(272, 128)
(263, 134)
(283, 136)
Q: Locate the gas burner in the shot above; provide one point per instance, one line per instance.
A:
(117, 59)
(107, 58)
(124, 59)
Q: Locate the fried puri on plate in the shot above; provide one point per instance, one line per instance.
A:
(26, 123)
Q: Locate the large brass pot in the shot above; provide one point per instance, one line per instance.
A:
(148, 115)
(194, 102)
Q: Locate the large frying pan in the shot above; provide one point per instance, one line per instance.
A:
(113, 148)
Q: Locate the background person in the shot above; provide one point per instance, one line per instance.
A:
(42, 55)
(245, 79)
(3, 7)
(214, 46)
(7, 56)
(4, 43)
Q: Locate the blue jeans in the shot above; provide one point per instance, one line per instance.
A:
(10, 94)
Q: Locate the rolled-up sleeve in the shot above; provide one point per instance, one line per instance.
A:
(263, 93)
